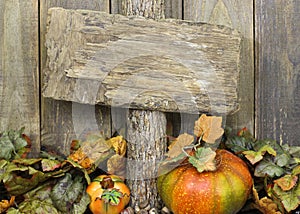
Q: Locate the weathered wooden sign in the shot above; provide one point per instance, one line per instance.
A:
(132, 62)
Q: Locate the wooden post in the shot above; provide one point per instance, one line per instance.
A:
(146, 135)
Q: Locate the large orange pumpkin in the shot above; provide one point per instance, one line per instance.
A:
(224, 191)
(109, 194)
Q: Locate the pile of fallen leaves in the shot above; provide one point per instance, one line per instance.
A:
(275, 168)
(50, 183)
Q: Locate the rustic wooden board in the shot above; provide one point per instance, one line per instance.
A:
(237, 14)
(153, 9)
(174, 9)
(139, 63)
(169, 8)
(59, 124)
(19, 63)
(277, 70)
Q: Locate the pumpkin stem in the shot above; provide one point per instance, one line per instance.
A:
(107, 183)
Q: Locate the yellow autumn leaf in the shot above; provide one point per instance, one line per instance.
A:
(92, 152)
(5, 204)
(209, 128)
(178, 144)
(119, 145)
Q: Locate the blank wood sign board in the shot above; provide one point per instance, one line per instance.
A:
(132, 62)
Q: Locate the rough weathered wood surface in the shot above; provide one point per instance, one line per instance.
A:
(146, 132)
(278, 70)
(19, 68)
(58, 118)
(139, 63)
(237, 15)
(153, 9)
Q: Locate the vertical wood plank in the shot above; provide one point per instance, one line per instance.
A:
(237, 14)
(154, 9)
(173, 9)
(116, 6)
(19, 77)
(64, 121)
(278, 70)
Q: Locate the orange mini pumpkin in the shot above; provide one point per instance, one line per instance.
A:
(109, 194)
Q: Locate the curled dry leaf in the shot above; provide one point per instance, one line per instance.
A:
(119, 145)
(287, 182)
(92, 152)
(5, 204)
(265, 205)
(116, 165)
(178, 144)
(209, 128)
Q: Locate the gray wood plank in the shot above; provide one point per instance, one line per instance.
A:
(237, 14)
(153, 9)
(173, 9)
(116, 6)
(278, 70)
(19, 62)
(125, 62)
(58, 121)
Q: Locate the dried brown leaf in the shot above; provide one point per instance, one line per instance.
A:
(178, 144)
(119, 145)
(209, 128)
(287, 182)
(91, 153)
(116, 165)
(265, 205)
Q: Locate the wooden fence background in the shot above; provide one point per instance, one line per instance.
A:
(269, 80)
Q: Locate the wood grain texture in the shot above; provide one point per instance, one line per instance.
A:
(174, 9)
(171, 8)
(153, 9)
(278, 70)
(19, 76)
(172, 66)
(146, 134)
(237, 14)
(59, 124)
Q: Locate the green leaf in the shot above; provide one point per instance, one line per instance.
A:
(267, 167)
(50, 165)
(33, 206)
(255, 157)
(282, 159)
(68, 192)
(296, 170)
(20, 143)
(3, 164)
(294, 151)
(111, 196)
(204, 159)
(238, 144)
(7, 148)
(290, 199)
(20, 176)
